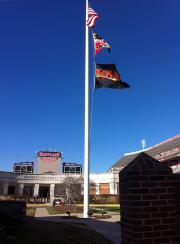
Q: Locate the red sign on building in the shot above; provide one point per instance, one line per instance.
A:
(49, 154)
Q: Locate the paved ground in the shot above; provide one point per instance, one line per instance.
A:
(41, 212)
(107, 227)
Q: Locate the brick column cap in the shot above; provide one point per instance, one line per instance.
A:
(144, 162)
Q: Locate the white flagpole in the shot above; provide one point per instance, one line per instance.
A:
(86, 128)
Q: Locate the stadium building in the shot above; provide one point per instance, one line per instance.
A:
(50, 178)
(167, 152)
(72, 168)
(51, 175)
(23, 167)
(48, 162)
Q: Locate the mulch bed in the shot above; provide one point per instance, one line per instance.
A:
(69, 208)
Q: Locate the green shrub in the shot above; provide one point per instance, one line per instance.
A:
(104, 199)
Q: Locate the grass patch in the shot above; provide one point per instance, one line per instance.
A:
(72, 209)
(65, 208)
(104, 205)
(46, 232)
(53, 210)
(30, 211)
(35, 205)
(79, 209)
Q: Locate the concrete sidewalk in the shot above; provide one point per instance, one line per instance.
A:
(41, 212)
(106, 227)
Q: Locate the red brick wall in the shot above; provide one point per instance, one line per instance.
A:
(104, 188)
(177, 190)
(148, 203)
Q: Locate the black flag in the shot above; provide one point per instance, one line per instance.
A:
(107, 76)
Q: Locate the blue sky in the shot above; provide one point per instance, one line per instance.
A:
(42, 78)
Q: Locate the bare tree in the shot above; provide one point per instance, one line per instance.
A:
(73, 188)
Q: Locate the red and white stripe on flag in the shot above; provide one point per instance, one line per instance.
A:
(92, 17)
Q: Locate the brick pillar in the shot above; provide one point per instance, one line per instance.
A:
(148, 205)
(177, 179)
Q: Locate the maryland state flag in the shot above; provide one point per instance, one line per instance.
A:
(107, 76)
(100, 43)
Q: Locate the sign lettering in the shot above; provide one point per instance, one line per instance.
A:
(49, 154)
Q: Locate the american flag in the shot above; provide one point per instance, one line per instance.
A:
(92, 17)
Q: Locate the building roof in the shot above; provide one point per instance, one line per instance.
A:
(146, 164)
(163, 151)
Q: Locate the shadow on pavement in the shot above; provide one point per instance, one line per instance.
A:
(110, 230)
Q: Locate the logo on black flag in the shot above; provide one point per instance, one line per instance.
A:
(107, 76)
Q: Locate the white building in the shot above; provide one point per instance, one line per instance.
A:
(48, 184)
(43, 185)
(50, 181)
